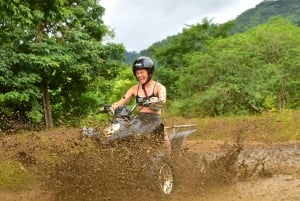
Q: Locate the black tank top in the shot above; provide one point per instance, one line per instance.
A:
(140, 100)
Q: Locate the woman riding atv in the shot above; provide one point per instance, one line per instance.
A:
(149, 95)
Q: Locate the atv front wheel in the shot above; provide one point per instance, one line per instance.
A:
(166, 179)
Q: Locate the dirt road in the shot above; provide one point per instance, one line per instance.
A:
(269, 172)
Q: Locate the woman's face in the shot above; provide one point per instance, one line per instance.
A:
(142, 75)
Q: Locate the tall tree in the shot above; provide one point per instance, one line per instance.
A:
(277, 45)
(236, 75)
(171, 52)
(57, 45)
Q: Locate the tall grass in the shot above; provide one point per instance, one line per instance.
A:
(267, 127)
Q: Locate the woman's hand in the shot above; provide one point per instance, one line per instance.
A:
(155, 100)
(116, 105)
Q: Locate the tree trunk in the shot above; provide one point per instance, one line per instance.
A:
(281, 97)
(281, 101)
(46, 105)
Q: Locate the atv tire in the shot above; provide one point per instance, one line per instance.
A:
(161, 174)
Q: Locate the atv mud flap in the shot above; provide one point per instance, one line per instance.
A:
(178, 139)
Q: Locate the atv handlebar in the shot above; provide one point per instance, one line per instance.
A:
(108, 108)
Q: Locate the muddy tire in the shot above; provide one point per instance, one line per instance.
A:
(161, 174)
(165, 179)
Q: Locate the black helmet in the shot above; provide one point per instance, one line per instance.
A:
(143, 63)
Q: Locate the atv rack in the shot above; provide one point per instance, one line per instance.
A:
(178, 139)
(180, 126)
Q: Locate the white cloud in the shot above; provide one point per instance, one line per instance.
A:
(140, 23)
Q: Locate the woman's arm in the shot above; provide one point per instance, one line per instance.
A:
(162, 93)
(125, 99)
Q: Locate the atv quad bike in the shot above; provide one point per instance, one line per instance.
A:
(157, 166)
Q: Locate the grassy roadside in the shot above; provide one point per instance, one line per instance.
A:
(267, 127)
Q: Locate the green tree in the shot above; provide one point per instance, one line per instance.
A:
(237, 74)
(193, 38)
(277, 44)
(169, 54)
(121, 84)
(288, 9)
(52, 49)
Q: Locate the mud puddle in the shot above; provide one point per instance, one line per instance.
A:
(258, 172)
(263, 172)
(275, 188)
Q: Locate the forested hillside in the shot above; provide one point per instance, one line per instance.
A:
(215, 73)
(289, 9)
(56, 70)
(177, 54)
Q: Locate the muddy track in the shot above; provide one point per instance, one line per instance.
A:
(269, 172)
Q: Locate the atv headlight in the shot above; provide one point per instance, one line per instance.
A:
(109, 130)
(115, 127)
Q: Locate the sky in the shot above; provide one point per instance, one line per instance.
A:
(140, 23)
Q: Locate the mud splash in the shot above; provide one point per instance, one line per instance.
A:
(118, 173)
(76, 169)
(121, 172)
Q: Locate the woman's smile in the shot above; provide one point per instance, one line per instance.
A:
(142, 75)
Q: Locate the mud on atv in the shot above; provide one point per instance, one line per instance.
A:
(157, 163)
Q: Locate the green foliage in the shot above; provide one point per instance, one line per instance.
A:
(57, 45)
(35, 115)
(288, 9)
(193, 38)
(238, 74)
(55, 49)
(279, 48)
(169, 54)
(168, 77)
(121, 84)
